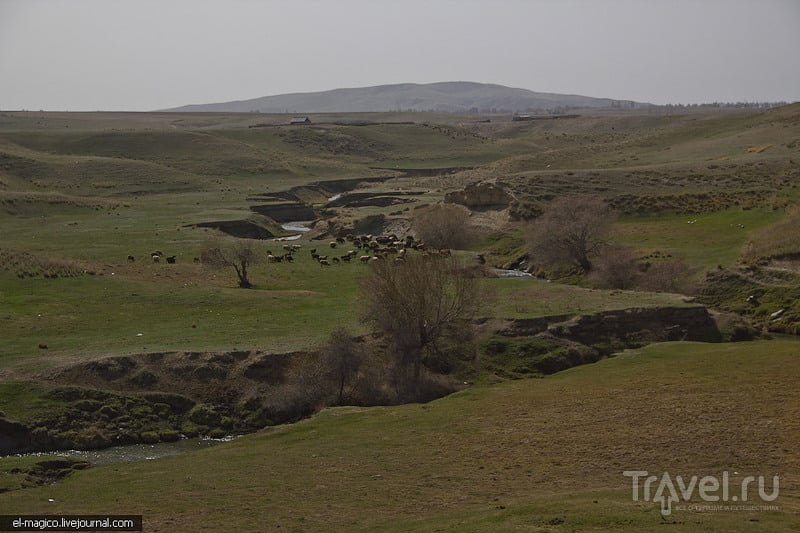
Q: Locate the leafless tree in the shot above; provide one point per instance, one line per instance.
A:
(238, 254)
(343, 357)
(571, 231)
(417, 305)
(443, 226)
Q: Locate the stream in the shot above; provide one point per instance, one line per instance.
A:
(133, 452)
(300, 226)
(504, 273)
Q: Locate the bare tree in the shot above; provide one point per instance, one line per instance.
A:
(238, 254)
(443, 226)
(571, 231)
(343, 358)
(417, 304)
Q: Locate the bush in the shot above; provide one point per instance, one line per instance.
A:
(443, 226)
(149, 437)
(616, 268)
(190, 430)
(203, 415)
(565, 358)
(669, 276)
(169, 435)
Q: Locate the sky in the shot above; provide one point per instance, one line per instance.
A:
(142, 55)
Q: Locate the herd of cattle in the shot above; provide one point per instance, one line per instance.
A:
(367, 248)
(156, 257)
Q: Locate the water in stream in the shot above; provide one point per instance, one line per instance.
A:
(136, 452)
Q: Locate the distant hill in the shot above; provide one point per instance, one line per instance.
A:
(450, 97)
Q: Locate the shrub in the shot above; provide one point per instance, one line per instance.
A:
(616, 268)
(169, 435)
(201, 414)
(668, 276)
(443, 226)
(149, 437)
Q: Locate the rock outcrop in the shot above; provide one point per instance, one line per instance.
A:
(481, 195)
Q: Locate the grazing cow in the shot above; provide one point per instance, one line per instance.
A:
(336, 260)
(131, 259)
(322, 258)
(332, 244)
(365, 259)
(324, 262)
(156, 258)
(171, 260)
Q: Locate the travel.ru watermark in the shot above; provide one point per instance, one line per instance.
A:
(715, 492)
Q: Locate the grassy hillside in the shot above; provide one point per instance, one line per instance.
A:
(524, 455)
(113, 185)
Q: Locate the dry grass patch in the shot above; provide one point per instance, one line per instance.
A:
(27, 265)
(781, 240)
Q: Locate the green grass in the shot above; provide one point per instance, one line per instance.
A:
(129, 191)
(169, 315)
(526, 297)
(714, 239)
(24, 401)
(779, 240)
(513, 456)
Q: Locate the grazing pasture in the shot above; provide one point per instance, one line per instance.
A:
(87, 200)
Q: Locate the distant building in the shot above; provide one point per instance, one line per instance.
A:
(300, 120)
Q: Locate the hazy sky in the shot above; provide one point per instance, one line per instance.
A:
(150, 54)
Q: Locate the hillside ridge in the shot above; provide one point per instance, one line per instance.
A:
(452, 96)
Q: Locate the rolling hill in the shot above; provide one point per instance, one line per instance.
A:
(442, 97)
